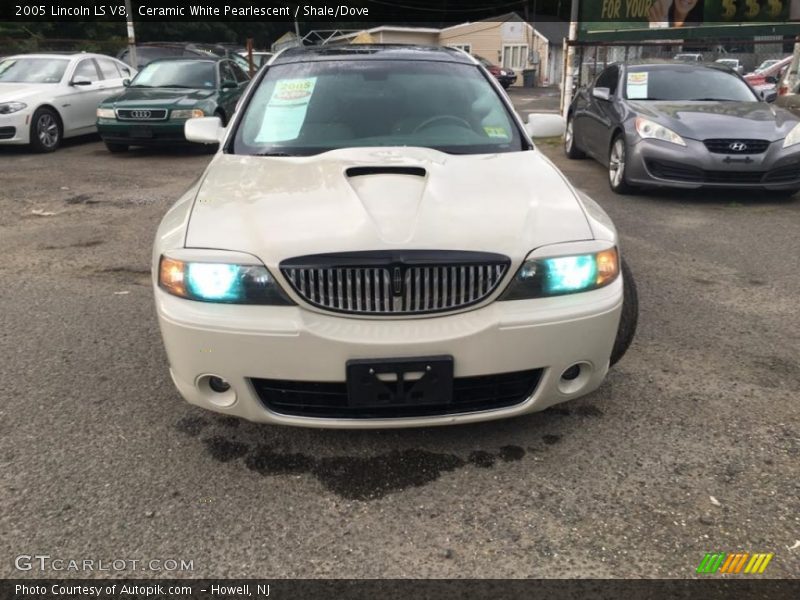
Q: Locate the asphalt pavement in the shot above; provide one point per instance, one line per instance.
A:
(691, 446)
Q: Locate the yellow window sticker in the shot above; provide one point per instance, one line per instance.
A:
(286, 110)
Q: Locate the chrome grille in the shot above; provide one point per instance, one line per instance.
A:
(388, 286)
(141, 114)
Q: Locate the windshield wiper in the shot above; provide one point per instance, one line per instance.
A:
(274, 154)
(711, 100)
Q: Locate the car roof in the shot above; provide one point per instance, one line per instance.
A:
(212, 59)
(64, 55)
(675, 64)
(373, 52)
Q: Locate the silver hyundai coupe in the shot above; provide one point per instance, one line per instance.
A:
(684, 126)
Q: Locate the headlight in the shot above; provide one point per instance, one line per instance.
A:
(793, 138)
(220, 282)
(106, 113)
(187, 114)
(6, 108)
(649, 130)
(559, 275)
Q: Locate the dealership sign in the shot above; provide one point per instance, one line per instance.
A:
(650, 18)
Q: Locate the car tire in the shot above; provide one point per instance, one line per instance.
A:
(116, 148)
(570, 148)
(630, 315)
(46, 130)
(617, 166)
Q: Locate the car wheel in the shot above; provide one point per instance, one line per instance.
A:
(617, 166)
(116, 148)
(45, 130)
(570, 149)
(630, 315)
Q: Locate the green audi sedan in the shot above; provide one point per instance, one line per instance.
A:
(166, 93)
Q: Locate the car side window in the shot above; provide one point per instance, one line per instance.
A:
(240, 75)
(86, 69)
(609, 79)
(108, 68)
(226, 72)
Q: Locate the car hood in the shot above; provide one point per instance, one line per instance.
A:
(10, 92)
(279, 208)
(704, 120)
(158, 97)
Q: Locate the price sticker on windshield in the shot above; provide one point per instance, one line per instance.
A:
(286, 110)
(637, 85)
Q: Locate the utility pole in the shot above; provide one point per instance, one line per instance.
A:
(569, 58)
(131, 36)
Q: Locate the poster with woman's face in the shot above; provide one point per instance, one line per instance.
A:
(676, 13)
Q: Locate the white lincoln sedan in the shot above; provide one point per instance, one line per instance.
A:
(45, 98)
(378, 243)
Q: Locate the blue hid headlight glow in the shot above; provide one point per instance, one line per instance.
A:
(214, 282)
(220, 282)
(569, 274)
(559, 275)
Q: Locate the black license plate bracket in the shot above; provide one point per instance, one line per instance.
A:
(139, 131)
(375, 383)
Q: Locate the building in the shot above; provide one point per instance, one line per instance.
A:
(506, 40)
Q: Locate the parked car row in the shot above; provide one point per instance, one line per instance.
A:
(45, 98)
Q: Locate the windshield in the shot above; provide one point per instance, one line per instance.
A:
(177, 73)
(667, 82)
(32, 70)
(309, 108)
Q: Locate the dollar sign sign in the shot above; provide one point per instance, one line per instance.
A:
(753, 9)
(775, 8)
(728, 9)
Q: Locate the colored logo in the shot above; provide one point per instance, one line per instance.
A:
(741, 562)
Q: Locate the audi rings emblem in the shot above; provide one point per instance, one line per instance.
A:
(141, 114)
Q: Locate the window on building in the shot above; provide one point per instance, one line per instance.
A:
(465, 47)
(515, 56)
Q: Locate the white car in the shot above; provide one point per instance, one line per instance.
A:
(732, 63)
(47, 97)
(378, 243)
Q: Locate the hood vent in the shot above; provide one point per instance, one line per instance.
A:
(361, 171)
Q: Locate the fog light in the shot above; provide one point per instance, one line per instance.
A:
(218, 385)
(572, 373)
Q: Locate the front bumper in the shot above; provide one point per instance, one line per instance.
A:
(15, 128)
(142, 133)
(657, 163)
(243, 343)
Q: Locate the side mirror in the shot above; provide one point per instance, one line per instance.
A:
(204, 130)
(228, 84)
(80, 81)
(546, 125)
(601, 93)
(126, 82)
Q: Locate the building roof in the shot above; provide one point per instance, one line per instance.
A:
(554, 31)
